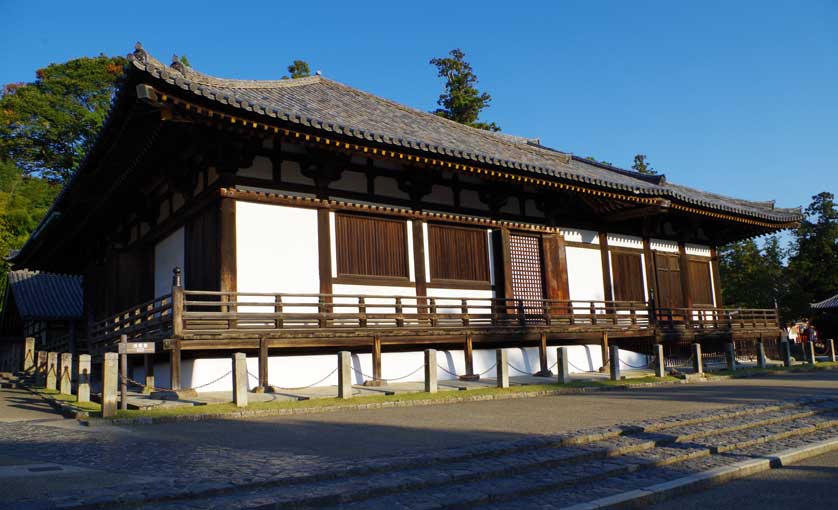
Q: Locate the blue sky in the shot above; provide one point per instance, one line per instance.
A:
(739, 98)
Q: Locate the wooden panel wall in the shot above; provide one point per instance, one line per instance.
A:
(202, 251)
(369, 246)
(627, 269)
(700, 284)
(670, 294)
(458, 253)
(555, 267)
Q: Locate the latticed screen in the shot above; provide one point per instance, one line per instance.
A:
(527, 283)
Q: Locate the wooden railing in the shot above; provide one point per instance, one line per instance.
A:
(717, 318)
(150, 320)
(213, 312)
(192, 314)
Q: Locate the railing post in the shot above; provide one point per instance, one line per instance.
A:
(430, 371)
(502, 365)
(593, 314)
(522, 315)
(434, 318)
(563, 364)
(321, 308)
(548, 319)
(399, 312)
(278, 309)
(177, 304)
(362, 312)
(464, 312)
(652, 308)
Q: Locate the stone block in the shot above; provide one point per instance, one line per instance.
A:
(240, 379)
(698, 363)
(563, 365)
(431, 385)
(762, 362)
(110, 383)
(660, 361)
(614, 362)
(344, 374)
(83, 388)
(52, 371)
(28, 355)
(730, 356)
(65, 373)
(785, 351)
(40, 368)
(502, 368)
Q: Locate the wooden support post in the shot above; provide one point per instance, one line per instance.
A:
(65, 373)
(607, 286)
(563, 364)
(52, 370)
(177, 303)
(148, 368)
(660, 361)
(468, 354)
(698, 363)
(83, 387)
(376, 363)
(603, 345)
(419, 269)
(542, 357)
(28, 355)
(431, 385)
(263, 366)
(502, 364)
(174, 366)
(731, 356)
(240, 379)
(123, 373)
(717, 278)
(615, 363)
(344, 374)
(227, 245)
(686, 285)
(324, 255)
(651, 279)
(110, 380)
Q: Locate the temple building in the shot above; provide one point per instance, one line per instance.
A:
(290, 219)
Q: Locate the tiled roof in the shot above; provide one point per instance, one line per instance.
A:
(826, 304)
(40, 295)
(330, 106)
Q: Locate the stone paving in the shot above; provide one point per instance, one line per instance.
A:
(535, 472)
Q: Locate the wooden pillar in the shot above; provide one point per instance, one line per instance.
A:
(420, 271)
(263, 365)
(505, 269)
(555, 267)
(174, 366)
(603, 343)
(651, 271)
(227, 245)
(542, 357)
(468, 354)
(376, 363)
(324, 250)
(684, 269)
(717, 278)
(608, 289)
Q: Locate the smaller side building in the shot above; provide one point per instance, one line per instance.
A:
(45, 306)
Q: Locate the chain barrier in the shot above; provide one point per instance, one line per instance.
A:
(299, 387)
(633, 366)
(446, 371)
(420, 367)
(169, 390)
(581, 370)
(513, 367)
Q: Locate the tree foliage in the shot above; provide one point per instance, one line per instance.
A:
(752, 276)
(23, 202)
(47, 126)
(461, 101)
(642, 166)
(596, 161)
(298, 69)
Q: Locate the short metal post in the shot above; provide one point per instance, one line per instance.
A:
(761, 361)
(83, 388)
(65, 373)
(731, 356)
(502, 368)
(344, 374)
(698, 363)
(614, 362)
(240, 379)
(785, 350)
(110, 379)
(563, 364)
(431, 385)
(660, 365)
(52, 370)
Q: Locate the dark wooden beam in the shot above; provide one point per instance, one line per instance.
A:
(717, 277)
(419, 269)
(555, 266)
(505, 265)
(636, 212)
(324, 250)
(684, 265)
(651, 271)
(227, 245)
(608, 289)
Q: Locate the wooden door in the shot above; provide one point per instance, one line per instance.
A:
(527, 273)
(670, 294)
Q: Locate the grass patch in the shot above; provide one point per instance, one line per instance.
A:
(326, 403)
(70, 400)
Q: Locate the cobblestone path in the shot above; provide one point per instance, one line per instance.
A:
(537, 472)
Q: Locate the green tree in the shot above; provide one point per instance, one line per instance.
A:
(185, 61)
(752, 277)
(461, 101)
(23, 202)
(813, 265)
(642, 166)
(298, 69)
(47, 126)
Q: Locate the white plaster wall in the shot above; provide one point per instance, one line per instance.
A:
(661, 245)
(584, 274)
(298, 371)
(168, 254)
(576, 235)
(697, 250)
(378, 304)
(262, 168)
(622, 241)
(450, 301)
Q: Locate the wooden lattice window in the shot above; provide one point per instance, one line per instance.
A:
(627, 273)
(456, 253)
(525, 255)
(373, 247)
